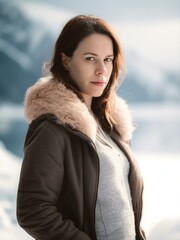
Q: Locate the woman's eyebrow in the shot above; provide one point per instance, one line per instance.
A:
(91, 53)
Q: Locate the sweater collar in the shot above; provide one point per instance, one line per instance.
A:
(48, 96)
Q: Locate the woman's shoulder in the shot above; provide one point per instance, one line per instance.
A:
(46, 126)
(46, 121)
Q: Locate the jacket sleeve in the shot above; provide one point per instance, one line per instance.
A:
(39, 189)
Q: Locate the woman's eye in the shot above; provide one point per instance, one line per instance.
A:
(90, 58)
(108, 59)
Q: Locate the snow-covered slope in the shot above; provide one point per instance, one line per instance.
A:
(161, 173)
(158, 128)
(9, 176)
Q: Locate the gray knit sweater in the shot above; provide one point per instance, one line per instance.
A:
(114, 213)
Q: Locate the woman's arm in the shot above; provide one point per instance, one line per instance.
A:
(39, 189)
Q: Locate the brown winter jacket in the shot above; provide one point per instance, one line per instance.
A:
(60, 171)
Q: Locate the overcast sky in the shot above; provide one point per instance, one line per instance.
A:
(122, 9)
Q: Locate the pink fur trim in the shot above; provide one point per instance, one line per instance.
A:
(49, 96)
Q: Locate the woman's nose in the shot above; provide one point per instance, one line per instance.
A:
(101, 69)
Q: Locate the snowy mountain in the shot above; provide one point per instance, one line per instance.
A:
(27, 37)
(24, 45)
(149, 82)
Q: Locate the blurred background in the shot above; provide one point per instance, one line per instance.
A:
(150, 35)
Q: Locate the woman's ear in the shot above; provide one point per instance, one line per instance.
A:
(65, 61)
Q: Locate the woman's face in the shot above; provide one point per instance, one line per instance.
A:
(91, 65)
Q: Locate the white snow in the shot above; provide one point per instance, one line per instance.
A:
(158, 128)
(161, 173)
(156, 111)
(9, 176)
(10, 112)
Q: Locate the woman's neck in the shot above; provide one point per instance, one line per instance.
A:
(88, 101)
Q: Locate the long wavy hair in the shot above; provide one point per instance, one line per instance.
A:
(71, 35)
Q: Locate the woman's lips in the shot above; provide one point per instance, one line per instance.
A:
(99, 83)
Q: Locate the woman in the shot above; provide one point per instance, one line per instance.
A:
(79, 179)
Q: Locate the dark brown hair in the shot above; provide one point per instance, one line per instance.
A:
(73, 32)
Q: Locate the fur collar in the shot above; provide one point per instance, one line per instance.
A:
(49, 96)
